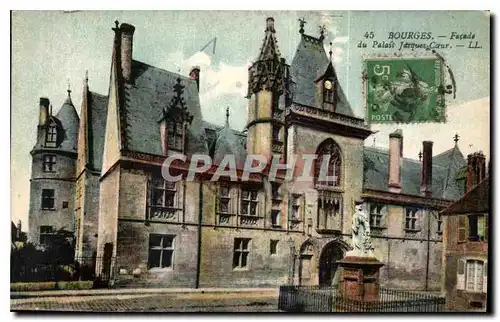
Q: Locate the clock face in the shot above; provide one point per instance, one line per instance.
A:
(328, 85)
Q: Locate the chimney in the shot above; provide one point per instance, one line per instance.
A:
(270, 24)
(194, 73)
(395, 154)
(44, 110)
(426, 174)
(127, 37)
(476, 169)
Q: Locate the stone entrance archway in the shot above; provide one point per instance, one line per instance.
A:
(328, 268)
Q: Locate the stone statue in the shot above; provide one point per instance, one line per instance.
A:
(361, 241)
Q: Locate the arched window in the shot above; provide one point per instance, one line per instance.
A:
(330, 158)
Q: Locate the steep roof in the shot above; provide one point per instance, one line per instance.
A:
(228, 143)
(309, 63)
(477, 200)
(376, 167)
(70, 122)
(144, 102)
(211, 133)
(98, 111)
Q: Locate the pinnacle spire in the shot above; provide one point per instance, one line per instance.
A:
(227, 116)
(269, 50)
(68, 99)
(302, 23)
(330, 52)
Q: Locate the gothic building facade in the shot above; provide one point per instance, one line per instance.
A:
(147, 231)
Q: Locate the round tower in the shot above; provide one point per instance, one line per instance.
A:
(52, 183)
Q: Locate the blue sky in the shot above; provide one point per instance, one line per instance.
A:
(49, 48)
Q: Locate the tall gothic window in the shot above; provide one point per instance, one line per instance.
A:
(175, 133)
(331, 174)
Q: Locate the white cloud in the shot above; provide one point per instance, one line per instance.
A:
(337, 53)
(341, 40)
(216, 82)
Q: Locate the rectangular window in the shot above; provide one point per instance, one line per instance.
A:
(474, 278)
(46, 234)
(249, 201)
(276, 191)
(161, 251)
(241, 252)
(276, 218)
(48, 198)
(224, 199)
(295, 207)
(376, 215)
(440, 224)
(476, 227)
(51, 139)
(163, 193)
(411, 219)
(175, 135)
(48, 163)
(276, 133)
(65, 204)
(273, 247)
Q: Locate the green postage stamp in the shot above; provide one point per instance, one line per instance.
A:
(404, 90)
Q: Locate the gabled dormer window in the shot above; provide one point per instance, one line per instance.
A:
(51, 137)
(174, 121)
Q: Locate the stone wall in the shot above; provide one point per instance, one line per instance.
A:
(62, 181)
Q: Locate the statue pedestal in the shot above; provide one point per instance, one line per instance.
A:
(360, 277)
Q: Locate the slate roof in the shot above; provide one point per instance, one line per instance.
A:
(70, 122)
(228, 142)
(477, 200)
(97, 113)
(444, 185)
(67, 122)
(144, 102)
(212, 131)
(308, 64)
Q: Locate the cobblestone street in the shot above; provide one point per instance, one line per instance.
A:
(191, 302)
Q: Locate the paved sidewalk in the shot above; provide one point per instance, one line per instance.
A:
(167, 300)
(138, 291)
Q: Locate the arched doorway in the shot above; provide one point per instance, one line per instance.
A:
(328, 267)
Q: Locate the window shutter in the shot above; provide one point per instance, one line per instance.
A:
(461, 275)
(462, 229)
(486, 227)
(485, 276)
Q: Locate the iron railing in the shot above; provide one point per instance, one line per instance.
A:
(293, 298)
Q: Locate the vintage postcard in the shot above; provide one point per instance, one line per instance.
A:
(250, 161)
